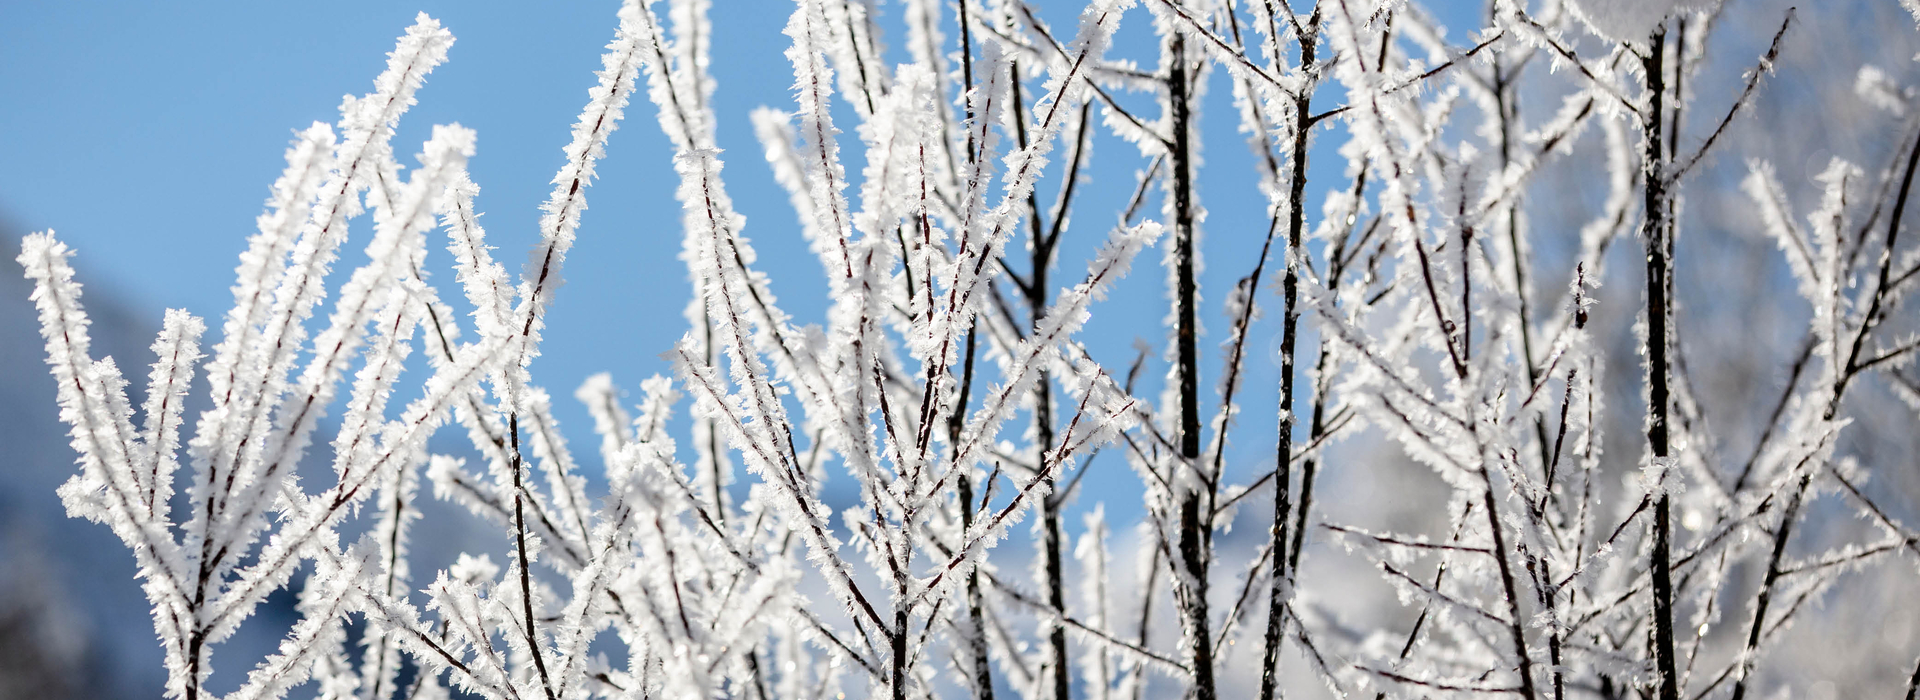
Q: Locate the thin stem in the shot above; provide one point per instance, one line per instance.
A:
(976, 636)
(1317, 424)
(1659, 279)
(1765, 596)
(1289, 338)
(1193, 554)
(1516, 625)
(1874, 306)
(1041, 259)
(520, 545)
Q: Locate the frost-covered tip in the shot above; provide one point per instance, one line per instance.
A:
(606, 105)
(813, 89)
(483, 280)
(176, 351)
(91, 397)
(308, 161)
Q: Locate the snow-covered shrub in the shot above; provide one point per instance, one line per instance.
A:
(950, 383)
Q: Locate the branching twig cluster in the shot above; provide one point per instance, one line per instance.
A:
(1415, 290)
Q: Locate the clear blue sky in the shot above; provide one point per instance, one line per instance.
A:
(147, 136)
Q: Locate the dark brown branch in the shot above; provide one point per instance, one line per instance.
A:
(1416, 80)
(1659, 280)
(1516, 625)
(1275, 634)
(1193, 552)
(520, 545)
(1874, 306)
(1745, 99)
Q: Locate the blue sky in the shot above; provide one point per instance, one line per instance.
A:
(147, 136)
